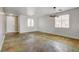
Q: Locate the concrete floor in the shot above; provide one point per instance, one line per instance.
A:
(39, 42)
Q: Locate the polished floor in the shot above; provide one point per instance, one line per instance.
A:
(39, 42)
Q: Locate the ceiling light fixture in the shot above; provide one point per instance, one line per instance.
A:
(53, 14)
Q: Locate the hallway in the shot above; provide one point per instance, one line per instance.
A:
(39, 42)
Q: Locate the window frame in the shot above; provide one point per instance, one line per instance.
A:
(30, 22)
(61, 21)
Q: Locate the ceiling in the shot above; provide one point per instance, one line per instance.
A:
(34, 11)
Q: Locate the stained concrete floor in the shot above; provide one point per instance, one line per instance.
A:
(39, 42)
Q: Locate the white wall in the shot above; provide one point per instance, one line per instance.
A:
(24, 25)
(2, 27)
(10, 24)
(47, 25)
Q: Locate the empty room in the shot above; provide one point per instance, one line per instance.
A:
(39, 29)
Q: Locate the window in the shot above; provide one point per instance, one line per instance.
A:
(62, 21)
(30, 22)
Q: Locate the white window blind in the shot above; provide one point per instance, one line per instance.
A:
(62, 21)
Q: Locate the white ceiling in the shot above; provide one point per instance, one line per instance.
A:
(33, 11)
